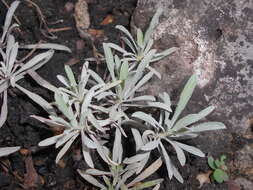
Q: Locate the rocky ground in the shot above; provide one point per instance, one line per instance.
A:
(215, 40)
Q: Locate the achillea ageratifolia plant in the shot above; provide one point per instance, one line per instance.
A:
(12, 70)
(96, 111)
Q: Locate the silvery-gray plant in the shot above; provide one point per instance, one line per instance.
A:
(80, 114)
(142, 46)
(5, 151)
(165, 131)
(118, 178)
(11, 70)
(126, 94)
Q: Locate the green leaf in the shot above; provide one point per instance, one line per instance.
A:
(180, 153)
(168, 162)
(117, 147)
(117, 62)
(147, 172)
(191, 149)
(12, 57)
(139, 37)
(160, 105)
(63, 107)
(47, 46)
(152, 25)
(50, 140)
(141, 98)
(36, 62)
(127, 33)
(147, 118)
(124, 71)
(136, 158)
(8, 18)
(223, 158)
(220, 176)
(38, 99)
(163, 54)
(211, 164)
(109, 60)
(148, 46)
(129, 44)
(147, 184)
(116, 47)
(150, 145)
(108, 183)
(91, 179)
(137, 139)
(4, 109)
(184, 97)
(65, 148)
(132, 87)
(207, 126)
(217, 163)
(96, 77)
(70, 76)
(97, 172)
(94, 121)
(192, 118)
(5, 151)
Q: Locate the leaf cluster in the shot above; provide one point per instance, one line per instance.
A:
(13, 70)
(219, 168)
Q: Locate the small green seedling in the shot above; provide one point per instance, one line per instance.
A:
(219, 175)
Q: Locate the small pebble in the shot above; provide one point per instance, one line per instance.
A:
(69, 7)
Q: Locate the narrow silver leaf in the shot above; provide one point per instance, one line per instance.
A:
(5, 151)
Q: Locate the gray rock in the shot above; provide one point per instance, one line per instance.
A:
(243, 161)
(241, 184)
(216, 42)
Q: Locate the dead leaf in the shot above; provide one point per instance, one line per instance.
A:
(6, 164)
(31, 178)
(61, 164)
(203, 178)
(18, 176)
(24, 151)
(96, 33)
(107, 20)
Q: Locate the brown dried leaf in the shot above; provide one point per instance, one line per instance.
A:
(6, 164)
(24, 151)
(61, 164)
(96, 33)
(107, 20)
(31, 178)
(203, 178)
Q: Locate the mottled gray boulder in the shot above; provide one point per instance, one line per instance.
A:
(215, 40)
